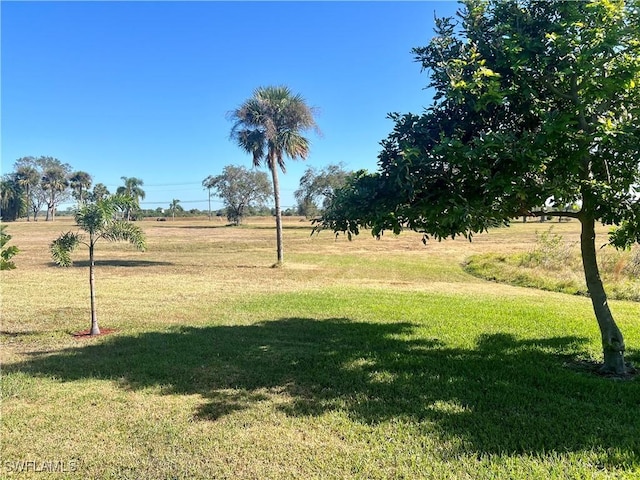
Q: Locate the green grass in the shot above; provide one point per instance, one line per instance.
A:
(555, 264)
(371, 359)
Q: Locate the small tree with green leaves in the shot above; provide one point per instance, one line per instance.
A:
(99, 221)
(6, 253)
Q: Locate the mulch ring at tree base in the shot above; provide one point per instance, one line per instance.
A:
(593, 368)
(87, 333)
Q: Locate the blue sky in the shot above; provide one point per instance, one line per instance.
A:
(142, 89)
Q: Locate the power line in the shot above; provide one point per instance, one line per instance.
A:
(181, 201)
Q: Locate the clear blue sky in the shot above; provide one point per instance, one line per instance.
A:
(142, 89)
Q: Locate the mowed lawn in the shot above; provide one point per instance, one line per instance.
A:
(371, 359)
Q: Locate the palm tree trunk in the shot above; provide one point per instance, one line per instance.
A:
(612, 341)
(95, 330)
(276, 198)
(28, 202)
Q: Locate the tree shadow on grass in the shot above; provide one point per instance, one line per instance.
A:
(201, 227)
(504, 395)
(117, 263)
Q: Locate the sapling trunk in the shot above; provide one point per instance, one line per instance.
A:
(95, 330)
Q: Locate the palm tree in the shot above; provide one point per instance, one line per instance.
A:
(28, 178)
(208, 183)
(12, 198)
(175, 206)
(80, 183)
(132, 190)
(55, 184)
(99, 221)
(100, 192)
(268, 126)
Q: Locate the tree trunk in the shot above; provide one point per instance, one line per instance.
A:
(95, 330)
(612, 340)
(276, 198)
(28, 203)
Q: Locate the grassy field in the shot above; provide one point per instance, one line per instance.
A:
(365, 359)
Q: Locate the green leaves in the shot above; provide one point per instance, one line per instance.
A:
(122, 230)
(6, 253)
(533, 101)
(62, 247)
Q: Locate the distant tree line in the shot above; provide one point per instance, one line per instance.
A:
(41, 184)
(245, 192)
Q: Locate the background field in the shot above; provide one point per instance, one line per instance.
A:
(363, 359)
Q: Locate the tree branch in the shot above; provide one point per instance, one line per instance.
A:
(575, 215)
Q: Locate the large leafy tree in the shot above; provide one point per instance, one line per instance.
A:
(240, 189)
(99, 221)
(54, 182)
(269, 126)
(52, 186)
(132, 188)
(316, 188)
(534, 102)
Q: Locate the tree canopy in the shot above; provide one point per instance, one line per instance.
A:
(44, 181)
(534, 102)
(240, 189)
(316, 188)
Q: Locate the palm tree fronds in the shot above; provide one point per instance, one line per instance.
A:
(252, 141)
(122, 230)
(94, 217)
(62, 247)
(294, 145)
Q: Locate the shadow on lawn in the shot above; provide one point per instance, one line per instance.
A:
(505, 395)
(285, 226)
(117, 263)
